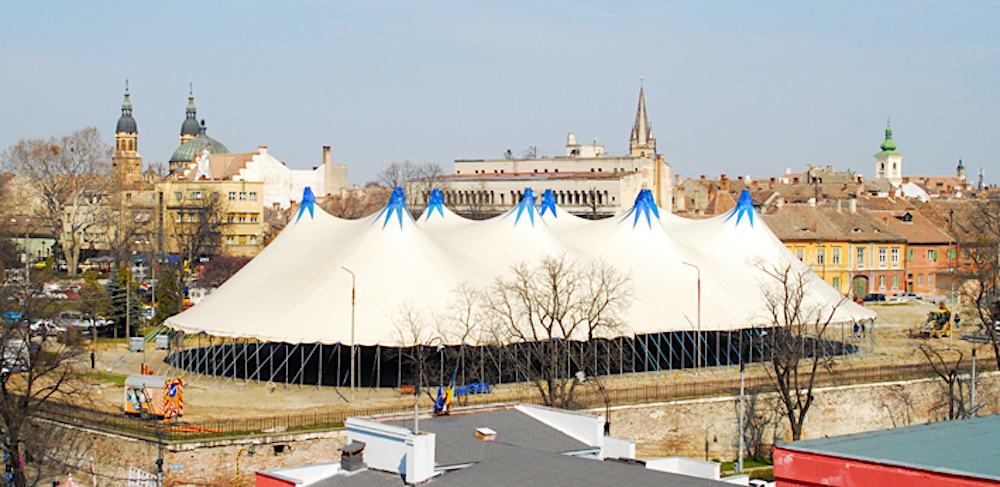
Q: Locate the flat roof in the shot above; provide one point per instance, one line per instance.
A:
(457, 443)
(966, 447)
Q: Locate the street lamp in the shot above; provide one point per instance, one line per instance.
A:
(697, 343)
(353, 291)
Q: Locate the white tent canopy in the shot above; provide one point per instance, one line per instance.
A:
(299, 289)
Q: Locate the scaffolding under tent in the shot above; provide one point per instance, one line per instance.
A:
(327, 289)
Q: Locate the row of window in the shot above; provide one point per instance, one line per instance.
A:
(197, 195)
(243, 217)
(241, 240)
(243, 196)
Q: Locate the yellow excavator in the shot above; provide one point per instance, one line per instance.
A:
(940, 323)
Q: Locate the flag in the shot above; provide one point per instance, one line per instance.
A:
(450, 394)
(439, 403)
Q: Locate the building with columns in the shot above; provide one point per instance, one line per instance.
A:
(585, 181)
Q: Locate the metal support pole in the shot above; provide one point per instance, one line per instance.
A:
(697, 343)
(739, 467)
(353, 294)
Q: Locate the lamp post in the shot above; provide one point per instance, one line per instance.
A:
(353, 291)
(697, 343)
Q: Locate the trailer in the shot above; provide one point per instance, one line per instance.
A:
(154, 396)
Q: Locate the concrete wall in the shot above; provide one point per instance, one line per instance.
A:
(663, 429)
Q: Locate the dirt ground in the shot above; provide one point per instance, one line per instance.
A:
(207, 398)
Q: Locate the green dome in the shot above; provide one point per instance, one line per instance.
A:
(191, 149)
(888, 145)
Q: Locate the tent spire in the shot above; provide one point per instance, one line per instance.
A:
(527, 203)
(743, 207)
(308, 202)
(436, 203)
(548, 203)
(397, 205)
(644, 205)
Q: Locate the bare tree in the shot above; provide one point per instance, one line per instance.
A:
(200, 224)
(952, 380)
(542, 313)
(795, 341)
(71, 177)
(357, 204)
(978, 233)
(38, 372)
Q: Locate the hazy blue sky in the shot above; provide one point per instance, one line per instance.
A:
(731, 87)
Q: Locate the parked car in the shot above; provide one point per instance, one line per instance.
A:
(906, 297)
(872, 297)
(46, 327)
(73, 318)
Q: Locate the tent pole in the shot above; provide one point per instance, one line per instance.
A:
(319, 382)
(339, 346)
(378, 367)
(670, 350)
(399, 368)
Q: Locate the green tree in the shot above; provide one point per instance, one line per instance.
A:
(168, 294)
(124, 300)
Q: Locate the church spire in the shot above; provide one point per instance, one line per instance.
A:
(642, 142)
(190, 128)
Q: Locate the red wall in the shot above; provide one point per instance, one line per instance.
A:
(264, 480)
(799, 469)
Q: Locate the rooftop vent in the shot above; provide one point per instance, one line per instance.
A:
(352, 456)
(486, 434)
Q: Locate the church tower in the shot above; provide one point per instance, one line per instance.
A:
(960, 170)
(642, 143)
(190, 128)
(889, 163)
(126, 161)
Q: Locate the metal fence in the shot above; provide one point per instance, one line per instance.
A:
(588, 397)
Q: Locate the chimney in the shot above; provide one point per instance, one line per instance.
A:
(812, 202)
(703, 176)
(326, 155)
(723, 177)
(853, 205)
(788, 170)
(486, 434)
(840, 205)
(829, 168)
(352, 456)
(262, 149)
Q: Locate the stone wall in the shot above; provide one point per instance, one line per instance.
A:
(672, 428)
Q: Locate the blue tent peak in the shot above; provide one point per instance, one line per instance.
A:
(644, 205)
(743, 207)
(397, 205)
(436, 202)
(308, 201)
(527, 203)
(548, 203)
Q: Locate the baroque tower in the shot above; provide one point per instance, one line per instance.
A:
(190, 128)
(889, 163)
(126, 162)
(642, 143)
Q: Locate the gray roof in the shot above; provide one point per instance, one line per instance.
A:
(457, 443)
(963, 447)
(515, 466)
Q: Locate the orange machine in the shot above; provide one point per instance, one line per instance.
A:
(154, 396)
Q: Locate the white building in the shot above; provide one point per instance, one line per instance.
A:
(282, 185)
(585, 180)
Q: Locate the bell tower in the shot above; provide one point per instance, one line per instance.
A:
(126, 161)
(889, 163)
(642, 143)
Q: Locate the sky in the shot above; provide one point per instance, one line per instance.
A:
(736, 88)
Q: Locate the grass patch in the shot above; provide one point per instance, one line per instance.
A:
(748, 463)
(106, 377)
